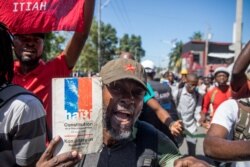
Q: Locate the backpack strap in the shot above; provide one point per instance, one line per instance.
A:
(197, 96)
(178, 96)
(211, 107)
(10, 91)
(242, 126)
(213, 96)
(146, 147)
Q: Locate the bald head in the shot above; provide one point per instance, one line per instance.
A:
(127, 55)
(192, 77)
(192, 81)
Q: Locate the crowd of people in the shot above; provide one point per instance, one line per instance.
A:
(144, 120)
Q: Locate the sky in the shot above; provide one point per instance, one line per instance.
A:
(159, 22)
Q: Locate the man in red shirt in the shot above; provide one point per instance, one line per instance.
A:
(239, 82)
(31, 72)
(215, 96)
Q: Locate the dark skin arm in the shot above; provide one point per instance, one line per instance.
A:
(218, 147)
(163, 115)
(76, 43)
(238, 74)
(66, 159)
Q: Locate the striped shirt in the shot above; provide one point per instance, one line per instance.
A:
(22, 131)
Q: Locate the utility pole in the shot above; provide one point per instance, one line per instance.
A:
(238, 28)
(208, 38)
(99, 54)
(99, 36)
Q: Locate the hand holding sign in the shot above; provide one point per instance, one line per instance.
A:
(66, 159)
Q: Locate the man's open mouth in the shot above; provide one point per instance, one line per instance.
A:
(123, 116)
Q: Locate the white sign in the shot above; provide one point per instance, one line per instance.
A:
(77, 114)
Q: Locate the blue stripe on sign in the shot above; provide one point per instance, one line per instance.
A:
(71, 95)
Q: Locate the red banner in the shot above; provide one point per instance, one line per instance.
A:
(32, 16)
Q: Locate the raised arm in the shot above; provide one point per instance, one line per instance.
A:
(238, 74)
(76, 43)
(174, 126)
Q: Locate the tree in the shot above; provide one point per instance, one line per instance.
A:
(132, 44)
(175, 56)
(89, 60)
(52, 45)
(197, 36)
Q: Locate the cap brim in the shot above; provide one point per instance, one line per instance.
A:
(225, 72)
(116, 78)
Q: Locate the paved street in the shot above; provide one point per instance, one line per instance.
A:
(199, 148)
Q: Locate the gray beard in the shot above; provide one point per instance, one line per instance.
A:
(119, 135)
(115, 134)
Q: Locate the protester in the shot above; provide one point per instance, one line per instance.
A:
(31, 72)
(127, 55)
(215, 96)
(169, 79)
(160, 109)
(240, 85)
(128, 142)
(207, 84)
(202, 89)
(187, 100)
(22, 121)
(230, 123)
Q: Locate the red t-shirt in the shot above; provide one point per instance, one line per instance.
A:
(39, 81)
(219, 97)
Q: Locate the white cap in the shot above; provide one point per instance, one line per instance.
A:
(148, 66)
(221, 69)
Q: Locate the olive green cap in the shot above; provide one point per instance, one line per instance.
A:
(121, 68)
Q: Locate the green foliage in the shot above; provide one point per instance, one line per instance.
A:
(132, 44)
(52, 45)
(89, 59)
(108, 43)
(197, 36)
(175, 56)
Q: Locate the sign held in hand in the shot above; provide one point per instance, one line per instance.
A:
(77, 114)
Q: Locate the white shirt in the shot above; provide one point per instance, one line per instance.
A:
(186, 109)
(226, 115)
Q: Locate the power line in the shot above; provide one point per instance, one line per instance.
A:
(105, 4)
(126, 14)
(118, 16)
(121, 12)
